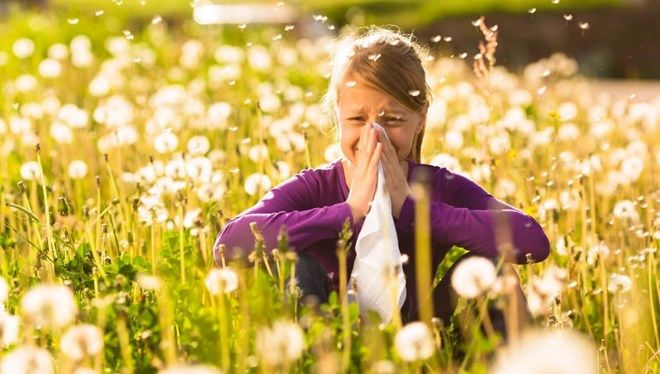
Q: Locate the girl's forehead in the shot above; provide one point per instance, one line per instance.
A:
(360, 97)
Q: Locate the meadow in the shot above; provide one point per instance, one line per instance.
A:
(124, 150)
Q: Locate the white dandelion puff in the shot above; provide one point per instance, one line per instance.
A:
(27, 360)
(23, 48)
(282, 343)
(255, 182)
(547, 351)
(49, 305)
(30, 171)
(82, 341)
(221, 280)
(625, 210)
(619, 283)
(414, 342)
(198, 145)
(473, 276)
(166, 142)
(77, 169)
(9, 325)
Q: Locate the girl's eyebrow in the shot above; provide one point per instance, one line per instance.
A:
(383, 111)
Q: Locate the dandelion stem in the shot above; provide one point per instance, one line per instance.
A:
(423, 251)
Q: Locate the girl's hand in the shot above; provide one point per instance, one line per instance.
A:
(395, 175)
(365, 174)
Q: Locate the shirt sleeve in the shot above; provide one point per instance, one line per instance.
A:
(477, 221)
(287, 204)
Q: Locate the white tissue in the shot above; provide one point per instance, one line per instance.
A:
(378, 254)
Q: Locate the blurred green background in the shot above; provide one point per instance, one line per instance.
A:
(608, 38)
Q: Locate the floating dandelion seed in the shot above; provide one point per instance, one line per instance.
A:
(331, 27)
(632, 96)
(277, 37)
(128, 35)
(555, 2)
(414, 93)
(531, 11)
(447, 38)
(242, 26)
(584, 25)
(99, 13)
(463, 55)
(156, 20)
(350, 84)
(568, 17)
(477, 22)
(541, 90)
(288, 27)
(73, 21)
(494, 28)
(374, 57)
(436, 39)
(319, 17)
(118, 2)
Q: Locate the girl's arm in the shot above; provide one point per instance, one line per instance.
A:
(286, 204)
(472, 218)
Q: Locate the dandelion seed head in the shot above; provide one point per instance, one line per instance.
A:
(27, 360)
(30, 171)
(282, 343)
(77, 169)
(23, 48)
(9, 328)
(414, 342)
(49, 305)
(221, 280)
(619, 283)
(548, 351)
(82, 341)
(473, 276)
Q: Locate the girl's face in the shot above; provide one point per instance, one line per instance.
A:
(359, 105)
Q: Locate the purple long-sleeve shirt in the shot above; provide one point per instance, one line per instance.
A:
(312, 205)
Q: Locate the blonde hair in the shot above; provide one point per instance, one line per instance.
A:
(389, 61)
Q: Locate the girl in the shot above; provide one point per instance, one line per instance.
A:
(378, 77)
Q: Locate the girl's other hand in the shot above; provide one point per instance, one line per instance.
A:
(365, 174)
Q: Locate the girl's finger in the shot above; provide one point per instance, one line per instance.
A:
(378, 151)
(371, 142)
